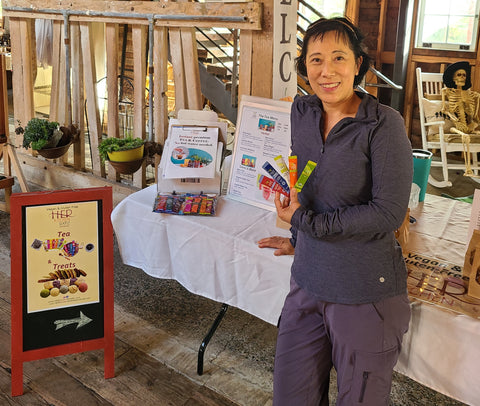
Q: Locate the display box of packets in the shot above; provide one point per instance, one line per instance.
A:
(203, 204)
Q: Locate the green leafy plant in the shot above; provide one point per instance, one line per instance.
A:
(40, 133)
(118, 144)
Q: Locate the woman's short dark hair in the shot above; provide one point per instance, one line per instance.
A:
(345, 29)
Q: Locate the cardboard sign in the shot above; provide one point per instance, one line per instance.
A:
(62, 276)
(441, 284)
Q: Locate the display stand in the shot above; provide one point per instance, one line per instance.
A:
(62, 277)
(196, 185)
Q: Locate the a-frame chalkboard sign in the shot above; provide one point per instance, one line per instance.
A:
(61, 276)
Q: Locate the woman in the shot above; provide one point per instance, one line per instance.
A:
(348, 305)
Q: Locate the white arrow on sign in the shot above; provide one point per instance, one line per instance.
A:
(82, 320)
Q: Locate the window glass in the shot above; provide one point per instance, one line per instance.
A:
(447, 24)
(310, 10)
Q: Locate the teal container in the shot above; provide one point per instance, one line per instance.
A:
(422, 160)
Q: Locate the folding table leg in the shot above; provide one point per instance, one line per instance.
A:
(206, 340)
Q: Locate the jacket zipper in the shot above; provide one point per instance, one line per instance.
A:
(364, 386)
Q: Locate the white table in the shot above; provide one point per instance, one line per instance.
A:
(218, 258)
(441, 350)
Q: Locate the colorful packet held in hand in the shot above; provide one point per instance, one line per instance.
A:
(281, 164)
(276, 176)
(269, 182)
(307, 171)
(292, 167)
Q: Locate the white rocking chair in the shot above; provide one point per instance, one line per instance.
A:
(437, 133)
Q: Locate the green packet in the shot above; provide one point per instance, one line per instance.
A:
(307, 171)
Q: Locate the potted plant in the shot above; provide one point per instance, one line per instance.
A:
(47, 137)
(125, 154)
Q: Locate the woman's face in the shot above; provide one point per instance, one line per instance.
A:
(331, 68)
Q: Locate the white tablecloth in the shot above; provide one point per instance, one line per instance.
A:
(442, 349)
(217, 257)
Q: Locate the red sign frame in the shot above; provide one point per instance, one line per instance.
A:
(20, 201)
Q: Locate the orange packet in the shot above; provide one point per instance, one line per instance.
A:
(292, 167)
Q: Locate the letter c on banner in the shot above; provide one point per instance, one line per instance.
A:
(282, 64)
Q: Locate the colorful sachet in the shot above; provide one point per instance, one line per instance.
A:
(186, 204)
(307, 171)
(276, 177)
(278, 180)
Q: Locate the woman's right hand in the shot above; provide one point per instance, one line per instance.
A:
(282, 244)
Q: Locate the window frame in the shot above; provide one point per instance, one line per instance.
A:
(443, 45)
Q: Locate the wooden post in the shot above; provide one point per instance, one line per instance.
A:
(95, 130)
(160, 84)
(245, 74)
(191, 71)
(262, 54)
(176, 55)
(111, 38)
(56, 58)
(78, 96)
(139, 39)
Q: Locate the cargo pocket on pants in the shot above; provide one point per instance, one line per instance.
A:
(372, 377)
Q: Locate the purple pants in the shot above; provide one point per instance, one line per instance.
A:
(361, 341)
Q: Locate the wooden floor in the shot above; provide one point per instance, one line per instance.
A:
(77, 379)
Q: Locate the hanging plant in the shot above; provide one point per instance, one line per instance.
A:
(112, 145)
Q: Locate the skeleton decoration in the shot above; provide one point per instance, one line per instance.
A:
(463, 105)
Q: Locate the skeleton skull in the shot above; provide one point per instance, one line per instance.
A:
(460, 77)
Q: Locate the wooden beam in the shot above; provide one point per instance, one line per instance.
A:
(78, 96)
(262, 54)
(160, 84)
(27, 66)
(352, 10)
(139, 40)
(50, 176)
(191, 70)
(95, 130)
(56, 52)
(381, 33)
(176, 55)
(245, 73)
(411, 85)
(111, 38)
(166, 13)
(17, 76)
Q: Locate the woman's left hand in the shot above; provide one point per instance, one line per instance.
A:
(287, 206)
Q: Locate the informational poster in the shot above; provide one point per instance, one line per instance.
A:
(191, 152)
(440, 283)
(263, 133)
(62, 255)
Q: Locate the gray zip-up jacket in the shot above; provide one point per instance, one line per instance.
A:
(357, 196)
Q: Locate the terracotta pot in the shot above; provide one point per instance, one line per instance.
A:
(128, 167)
(52, 153)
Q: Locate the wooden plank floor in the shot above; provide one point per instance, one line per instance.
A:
(77, 379)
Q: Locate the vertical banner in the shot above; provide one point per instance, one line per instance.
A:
(284, 49)
(62, 276)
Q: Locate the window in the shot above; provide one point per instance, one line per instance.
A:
(310, 10)
(447, 24)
